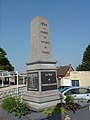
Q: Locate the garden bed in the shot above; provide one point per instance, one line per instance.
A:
(82, 114)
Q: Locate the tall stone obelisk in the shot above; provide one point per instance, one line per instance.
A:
(40, 43)
(41, 70)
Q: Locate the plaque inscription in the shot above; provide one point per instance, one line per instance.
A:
(48, 81)
(33, 83)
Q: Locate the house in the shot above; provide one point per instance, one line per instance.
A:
(63, 75)
(64, 71)
(66, 76)
(80, 78)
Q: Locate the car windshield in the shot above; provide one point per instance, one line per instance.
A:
(62, 90)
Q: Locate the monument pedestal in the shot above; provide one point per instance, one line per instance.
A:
(42, 85)
(41, 100)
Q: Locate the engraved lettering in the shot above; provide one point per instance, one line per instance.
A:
(45, 52)
(44, 32)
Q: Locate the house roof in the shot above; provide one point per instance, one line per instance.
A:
(62, 70)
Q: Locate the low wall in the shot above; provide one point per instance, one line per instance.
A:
(12, 90)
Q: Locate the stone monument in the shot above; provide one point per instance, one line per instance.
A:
(41, 70)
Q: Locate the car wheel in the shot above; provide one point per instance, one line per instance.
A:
(88, 101)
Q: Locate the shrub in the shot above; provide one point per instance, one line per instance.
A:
(73, 106)
(62, 108)
(14, 104)
(69, 98)
(58, 109)
(9, 103)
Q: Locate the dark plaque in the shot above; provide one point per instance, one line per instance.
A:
(48, 80)
(33, 82)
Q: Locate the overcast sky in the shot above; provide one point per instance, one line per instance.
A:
(69, 22)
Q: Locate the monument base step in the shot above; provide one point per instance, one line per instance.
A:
(42, 100)
(41, 106)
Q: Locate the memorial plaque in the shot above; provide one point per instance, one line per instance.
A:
(48, 81)
(33, 82)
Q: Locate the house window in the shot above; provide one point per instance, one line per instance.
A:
(75, 82)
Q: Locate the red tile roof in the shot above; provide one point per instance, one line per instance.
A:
(62, 70)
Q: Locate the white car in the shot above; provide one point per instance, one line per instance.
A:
(80, 94)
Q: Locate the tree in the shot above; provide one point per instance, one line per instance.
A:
(4, 62)
(85, 64)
